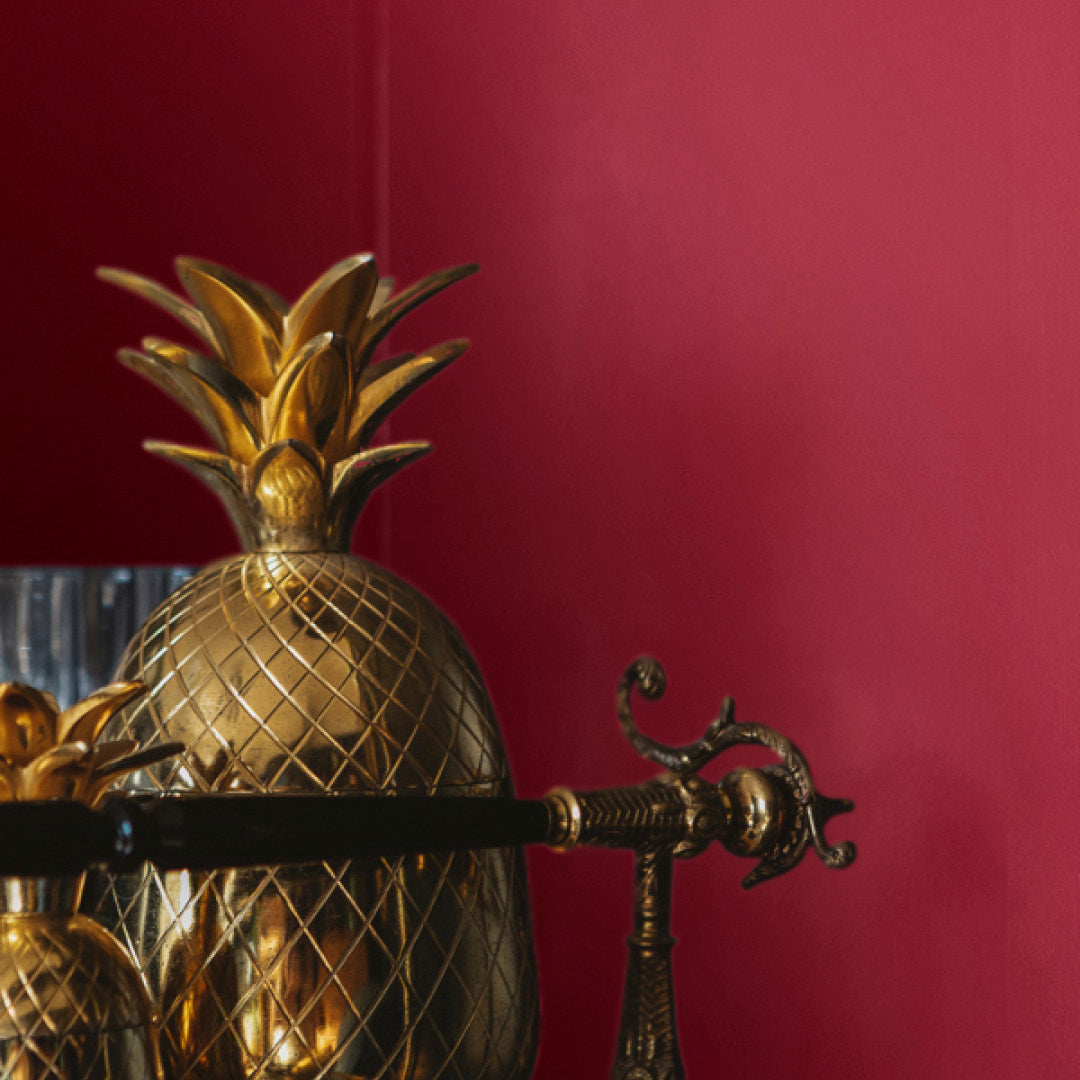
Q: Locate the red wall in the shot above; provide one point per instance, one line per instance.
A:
(134, 131)
(775, 375)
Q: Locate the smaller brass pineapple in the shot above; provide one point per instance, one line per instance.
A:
(49, 754)
(72, 1005)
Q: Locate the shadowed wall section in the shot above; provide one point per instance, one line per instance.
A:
(134, 131)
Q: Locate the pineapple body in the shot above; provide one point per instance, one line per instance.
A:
(321, 672)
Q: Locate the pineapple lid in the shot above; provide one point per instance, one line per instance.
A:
(46, 753)
(290, 395)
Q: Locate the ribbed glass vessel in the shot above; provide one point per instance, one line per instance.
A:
(63, 629)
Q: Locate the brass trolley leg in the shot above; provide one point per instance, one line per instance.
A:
(773, 814)
(648, 1044)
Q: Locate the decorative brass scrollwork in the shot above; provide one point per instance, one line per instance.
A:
(772, 814)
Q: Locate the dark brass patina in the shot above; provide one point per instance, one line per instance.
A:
(772, 814)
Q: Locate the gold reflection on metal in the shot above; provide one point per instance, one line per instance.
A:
(46, 753)
(290, 396)
(72, 1005)
(299, 668)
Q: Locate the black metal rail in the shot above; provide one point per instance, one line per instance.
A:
(204, 832)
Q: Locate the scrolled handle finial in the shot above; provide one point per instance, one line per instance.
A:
(807, 813)
(648, 675)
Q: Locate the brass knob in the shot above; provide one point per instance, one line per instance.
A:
(755, 812)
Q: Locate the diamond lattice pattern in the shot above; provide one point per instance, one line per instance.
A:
(70, 1003)
(325, 673)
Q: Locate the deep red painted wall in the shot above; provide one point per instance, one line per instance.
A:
(774, 375)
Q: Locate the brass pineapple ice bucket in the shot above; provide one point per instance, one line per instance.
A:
(67, 627)
(74, 1007)
(296, 668)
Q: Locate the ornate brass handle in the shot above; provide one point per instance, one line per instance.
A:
(772, 814)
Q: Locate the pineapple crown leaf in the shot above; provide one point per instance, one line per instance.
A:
(310, 397)
(353, 480)
(113, 759)
(210, 371)
(338, 302)
(219, 473)
(28, 722)
(391, 383)
(246, 320)
(85, 719)
(259, 296)
(377, 371)
(113, 751)
(385, 460)
(221, 416)
(159, 296)
(198, 460)
(111, 765)
(397, 307)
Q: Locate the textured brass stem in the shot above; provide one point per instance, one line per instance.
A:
(648, 1043)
